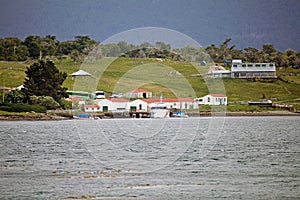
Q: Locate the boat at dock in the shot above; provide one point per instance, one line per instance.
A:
(159, 110)
(264, 103)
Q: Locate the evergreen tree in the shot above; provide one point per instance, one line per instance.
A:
(44, 79)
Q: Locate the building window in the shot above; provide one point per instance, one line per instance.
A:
(271, 65)
(235, 65)
(257, 65)
(250, 65)
(243, 65)
(263, 65)
(208, 99)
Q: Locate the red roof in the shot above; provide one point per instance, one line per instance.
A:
(120, 100)
(92, 106)
(75, 99)
(169, 100)
(217, 95)
(139, 91)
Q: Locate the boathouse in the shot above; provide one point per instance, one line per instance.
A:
(113, 104)
(137, 105)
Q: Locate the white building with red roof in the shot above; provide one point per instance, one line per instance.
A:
(92, 108)
(138, 105)
(138, 93)
(113, 104)
(175, 103)
(212, 99)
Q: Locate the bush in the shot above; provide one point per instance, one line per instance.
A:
(18, 107)
(45, 101)
(66, 104)
(14, 96)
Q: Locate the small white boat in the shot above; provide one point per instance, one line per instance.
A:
(159, 110)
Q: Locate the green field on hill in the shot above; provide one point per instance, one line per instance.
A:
(169, 78)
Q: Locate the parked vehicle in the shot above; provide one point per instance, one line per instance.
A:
(99, 94)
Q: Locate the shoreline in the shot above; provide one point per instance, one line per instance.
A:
(33, 117)
(54, 117)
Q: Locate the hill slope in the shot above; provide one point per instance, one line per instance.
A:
(160, 77)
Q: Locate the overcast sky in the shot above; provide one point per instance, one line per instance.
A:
(248, 23)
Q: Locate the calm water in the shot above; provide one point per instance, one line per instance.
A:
(194, 158)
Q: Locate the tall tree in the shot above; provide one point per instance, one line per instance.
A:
(44, 79)
(163, 46)
(33, 45)
(251, 54)
(12, 49)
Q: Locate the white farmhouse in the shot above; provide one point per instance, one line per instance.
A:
(138, 94)
(212, 99)
(219, 74)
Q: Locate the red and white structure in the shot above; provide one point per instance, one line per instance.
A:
(91, 108)
(175, 103)
(113, 104)
(138, 94)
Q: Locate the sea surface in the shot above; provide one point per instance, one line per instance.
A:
(191, 158)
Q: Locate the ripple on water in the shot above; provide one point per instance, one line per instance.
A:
(250, 158)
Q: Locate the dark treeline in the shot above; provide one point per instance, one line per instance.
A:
(36, 47)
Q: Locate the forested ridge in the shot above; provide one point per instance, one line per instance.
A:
(81, 47)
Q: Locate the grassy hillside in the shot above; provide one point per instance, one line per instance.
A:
(12, 74)
(123, 74)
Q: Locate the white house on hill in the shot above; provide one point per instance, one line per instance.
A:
(252, 70)
(219, 74)
(212, 99)
(139, 94)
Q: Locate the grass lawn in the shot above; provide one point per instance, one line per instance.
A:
(12, 74)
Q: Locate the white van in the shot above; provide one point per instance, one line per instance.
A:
(99, 94)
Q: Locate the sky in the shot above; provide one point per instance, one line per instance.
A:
(248, 23)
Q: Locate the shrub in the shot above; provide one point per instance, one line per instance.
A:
(45, 101)
(19, 107)
(66, 104)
